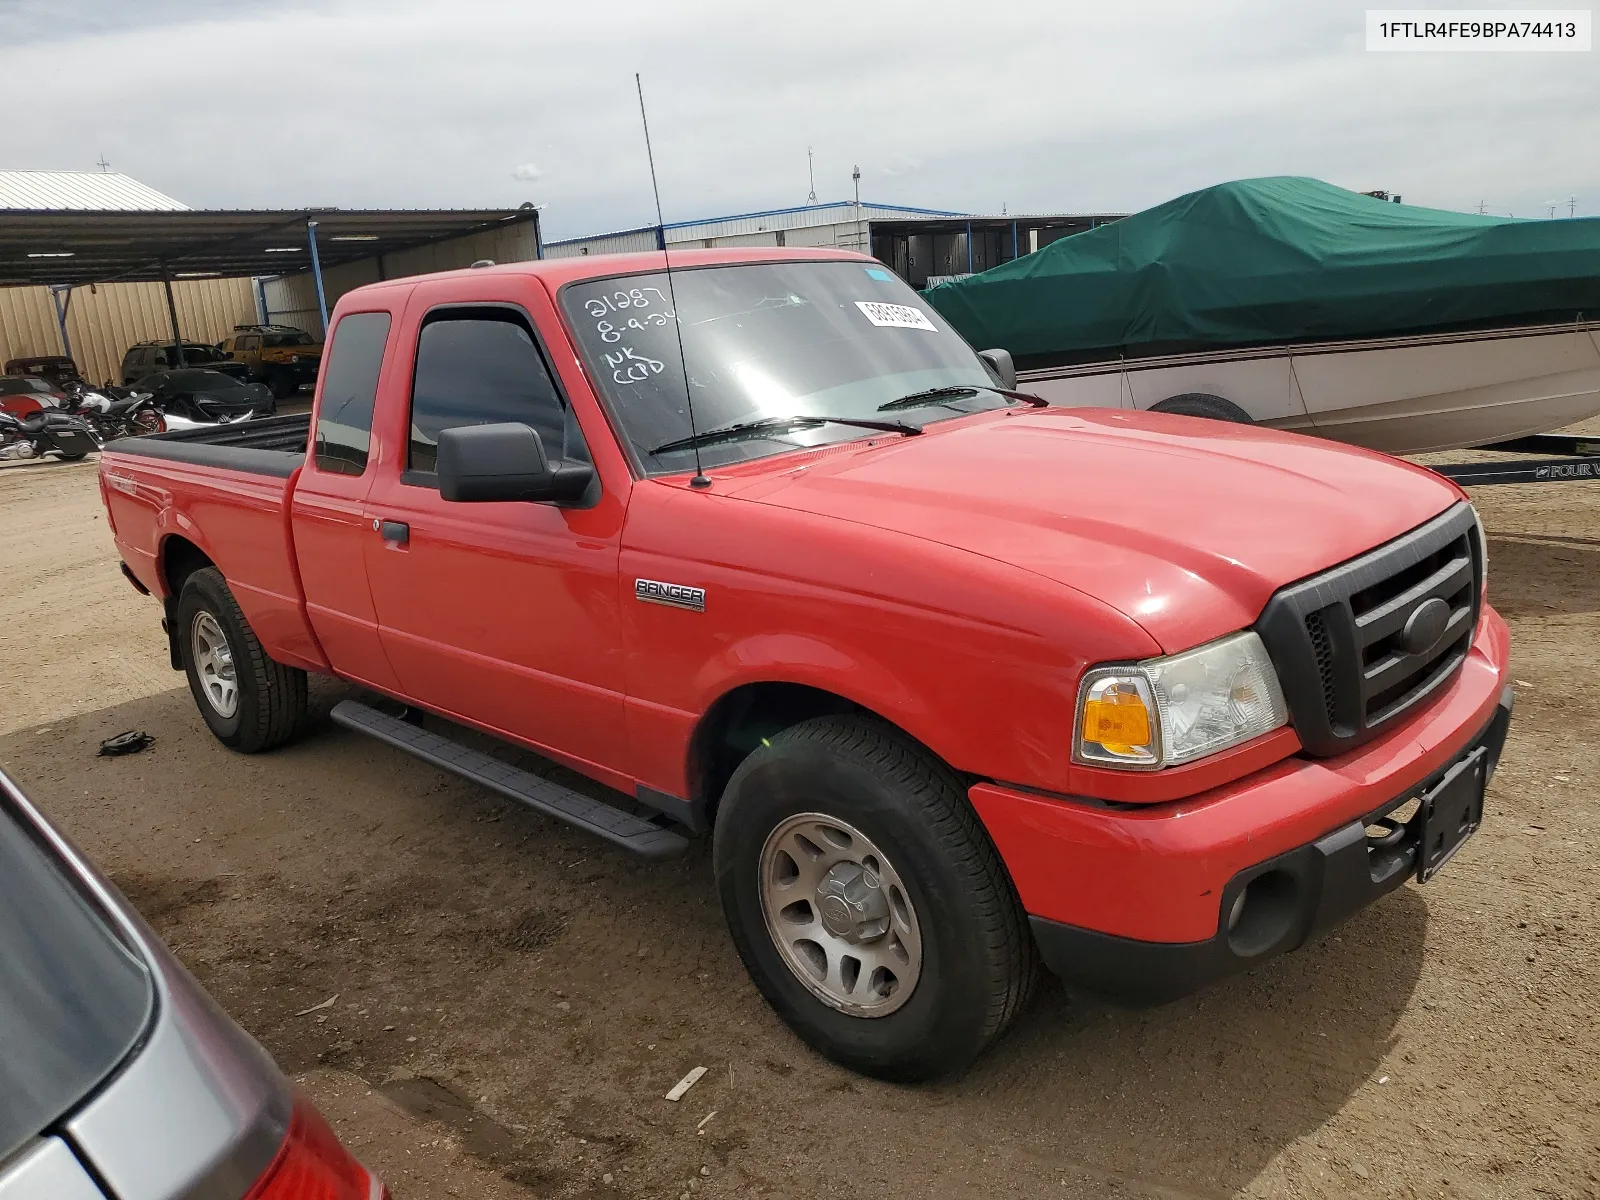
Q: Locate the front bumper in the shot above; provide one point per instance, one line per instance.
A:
(1131, 900)
(1312, 888)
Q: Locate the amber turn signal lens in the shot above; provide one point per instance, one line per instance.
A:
(1118, 721)
(1118, 724)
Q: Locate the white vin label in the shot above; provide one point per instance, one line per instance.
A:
(895, 316)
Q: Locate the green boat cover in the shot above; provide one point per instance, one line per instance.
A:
(1264, 261)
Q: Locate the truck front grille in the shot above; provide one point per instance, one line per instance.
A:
(1358, 645)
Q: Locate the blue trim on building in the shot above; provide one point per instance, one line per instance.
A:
(770, 212)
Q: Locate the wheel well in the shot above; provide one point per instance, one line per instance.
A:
(736, 725)
(180, 558)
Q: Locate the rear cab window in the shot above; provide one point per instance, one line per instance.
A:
(74, 998)
(343, 437)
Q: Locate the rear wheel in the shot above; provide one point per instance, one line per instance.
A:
(1203, 404)
(147, 420)
(867, 902)
(248, 701)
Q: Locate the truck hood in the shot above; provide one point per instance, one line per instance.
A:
(1187, 526)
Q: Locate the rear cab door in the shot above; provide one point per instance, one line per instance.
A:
(329, 513)
(505, 615)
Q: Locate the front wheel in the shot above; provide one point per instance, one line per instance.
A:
(867, 901)
(249, 702)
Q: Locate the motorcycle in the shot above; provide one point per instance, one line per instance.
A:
(47, 432)
(111, 416)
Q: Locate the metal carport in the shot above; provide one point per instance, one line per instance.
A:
(66, 248)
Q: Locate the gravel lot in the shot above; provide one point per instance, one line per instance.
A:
(513, 998)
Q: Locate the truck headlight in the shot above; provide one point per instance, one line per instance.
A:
(1167, 711)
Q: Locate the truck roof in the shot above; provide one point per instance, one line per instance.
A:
(555, 272)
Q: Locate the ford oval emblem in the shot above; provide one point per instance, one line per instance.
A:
(1425, 626)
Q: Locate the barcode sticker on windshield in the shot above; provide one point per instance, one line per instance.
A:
(895, 316)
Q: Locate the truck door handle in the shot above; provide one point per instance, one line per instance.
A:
(394, 531)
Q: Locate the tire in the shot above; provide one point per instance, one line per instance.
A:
(978, 963)
(282, 384)
(1203, 404)
(269, 699)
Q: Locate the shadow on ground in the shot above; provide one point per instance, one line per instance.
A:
(1567, 570)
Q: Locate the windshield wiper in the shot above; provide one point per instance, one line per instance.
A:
(728, 432)
(934, 395)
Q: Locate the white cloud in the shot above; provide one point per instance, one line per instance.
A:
(1042, 105)
(527, 172)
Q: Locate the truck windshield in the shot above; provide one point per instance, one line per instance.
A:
(286, 339)
(765, 341)
(73, 998)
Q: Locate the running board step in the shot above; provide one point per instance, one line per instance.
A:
(603, 820)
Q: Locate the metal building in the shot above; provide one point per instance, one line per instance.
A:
(928, 250)
(841, 223)
(91, 263)
(96, 324)
(292, 299)
(922, 245)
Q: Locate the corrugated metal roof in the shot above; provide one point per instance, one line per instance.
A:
(75, 246)
(800, 217)
(97, 190)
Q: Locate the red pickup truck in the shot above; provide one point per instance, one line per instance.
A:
(955, 681)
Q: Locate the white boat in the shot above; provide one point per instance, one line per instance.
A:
(1401, 395)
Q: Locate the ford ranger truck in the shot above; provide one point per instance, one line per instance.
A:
(957, 683)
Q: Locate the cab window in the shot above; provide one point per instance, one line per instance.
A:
(349, 387)
(483, 367)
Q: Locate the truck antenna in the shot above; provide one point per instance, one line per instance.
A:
(699, 480)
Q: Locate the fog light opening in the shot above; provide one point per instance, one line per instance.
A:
(1263, 913)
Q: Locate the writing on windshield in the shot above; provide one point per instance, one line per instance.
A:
(763, 340)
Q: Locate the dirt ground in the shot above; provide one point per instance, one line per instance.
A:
(513, 998)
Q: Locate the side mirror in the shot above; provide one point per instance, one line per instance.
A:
(1001, 367)
(505, 462)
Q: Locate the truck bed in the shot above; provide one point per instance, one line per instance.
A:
(223, 492)
(270, 446)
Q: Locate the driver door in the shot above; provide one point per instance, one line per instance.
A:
(502, 614)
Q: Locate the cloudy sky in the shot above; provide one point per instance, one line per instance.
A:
(1040, 105)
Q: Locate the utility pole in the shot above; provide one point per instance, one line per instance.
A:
(811, 170)
(861, 233)
(103, 164)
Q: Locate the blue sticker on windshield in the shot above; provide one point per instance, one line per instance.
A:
(880, 274)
